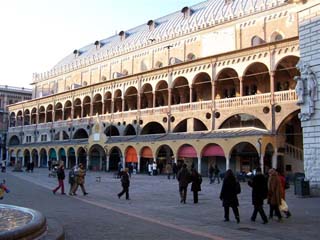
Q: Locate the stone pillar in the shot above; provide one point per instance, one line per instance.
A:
(274, 158)
(262, 162)
(77, 160)
(241, 86)
(272, 74)
(309, 40)
(138, 167)
(154, 100)
(199, 164)
(47, 159)
(107, 162)
(88, 161)
(227, 163)
(67, 161)
(23, 161)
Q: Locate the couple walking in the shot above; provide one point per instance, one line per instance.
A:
(185, 177)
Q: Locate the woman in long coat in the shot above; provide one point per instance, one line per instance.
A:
(274, 193)
(229, 191)
(196, 184)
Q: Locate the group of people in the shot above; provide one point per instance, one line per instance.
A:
(76, 178)
(271, 188)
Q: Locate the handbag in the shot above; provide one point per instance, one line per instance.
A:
(283, 206)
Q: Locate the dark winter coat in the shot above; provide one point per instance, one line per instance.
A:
(125, 180)
(196, 181)
(60, 173)
(229, 191)
(183, 177)
(259, 186)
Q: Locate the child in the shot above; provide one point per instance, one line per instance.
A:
(3, 189)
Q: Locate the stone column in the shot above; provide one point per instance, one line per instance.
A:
(199, 164)
(67, 161)
(138, 167)
(272, 74)
(262, 162)
(23, 161)
(107, 162)
(274, 158)
(77, 160)
(309, 33)
(227, 162)
(241, 86)
(88, 161)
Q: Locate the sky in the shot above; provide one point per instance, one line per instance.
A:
(37, 34)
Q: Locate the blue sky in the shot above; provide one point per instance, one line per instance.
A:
(36, 34)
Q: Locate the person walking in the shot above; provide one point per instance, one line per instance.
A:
(3, 166)
(274, 194)
(154, 168)
(168, 170)
(211, 170)
(196, 184)
(174, 170)
(183, 177)
(216, 172)
(229, 191)
(61, 177)
(150, 169)
(32, 166)
(125, 183)
(72, 178)
(259, 193)
(79, 180)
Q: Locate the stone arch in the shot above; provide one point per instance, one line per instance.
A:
(58, 112)
(131, 99)
(12, 119)
(97, 158)
(212, 154)
(187, 154)
(242, 120)
(34, 114)
(129, 130)
(19, 118)
(276, 36)
(42, 114)
(256, 40)
(27, 117)
(201, 87)
(82, 156)
(180, 92)
(131, 157)
(49, 113)
(146, 96)
(27, 157)
(115, 158)
(285, 71)
(256, 79)
(52, 155)
(118, 101)
(35, 157)
(97, 104)
(14, 140)
(62, 156)
(43, 158)
(68, 110)
(146, 157)
(111, 130)
(152, 128)
(86, 106)
(227, 84)
(244, 157)
(161, 93)
(107, 102)
(77, 108)
(71, 157)
(164, 156)
(80, 134)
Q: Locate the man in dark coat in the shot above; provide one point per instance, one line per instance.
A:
(229, 191)
(259, 193)
(196, 184)
(125, 182)
(183, 178)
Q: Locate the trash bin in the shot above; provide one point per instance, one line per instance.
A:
(301, 187)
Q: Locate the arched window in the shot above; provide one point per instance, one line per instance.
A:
(256, 40)
(276, 37)
(191, 57)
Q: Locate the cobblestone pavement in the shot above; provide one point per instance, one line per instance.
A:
(155, 207)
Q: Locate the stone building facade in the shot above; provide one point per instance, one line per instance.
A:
(212, 83)
(309, 38)
(9, 95)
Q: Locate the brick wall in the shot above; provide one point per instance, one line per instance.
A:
(309, 35)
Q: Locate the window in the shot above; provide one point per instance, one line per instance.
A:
(255, 41)
(191, 57)
(276, 37)
(44, 138)
(28, 139)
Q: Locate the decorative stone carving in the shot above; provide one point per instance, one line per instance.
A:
(307, 90)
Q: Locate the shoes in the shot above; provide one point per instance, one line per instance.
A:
(85, 193)
(226, 220)
(265, 222)
(181, 201)
(118, 196)
(70, 194)
(128, 199)
(53, 192)
(63, 194)
(253, 220)
(238, 219)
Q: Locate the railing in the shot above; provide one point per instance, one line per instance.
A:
(285, 96)
(293, 152)
(252, 100)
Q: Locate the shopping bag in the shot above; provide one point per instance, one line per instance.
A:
(283, 206)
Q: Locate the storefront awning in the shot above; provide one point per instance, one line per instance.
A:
(213, 150)
(187, 152)
(146, 153)
(131, 155)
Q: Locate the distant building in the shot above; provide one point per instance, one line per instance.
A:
(209, 84)
(9, 95)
